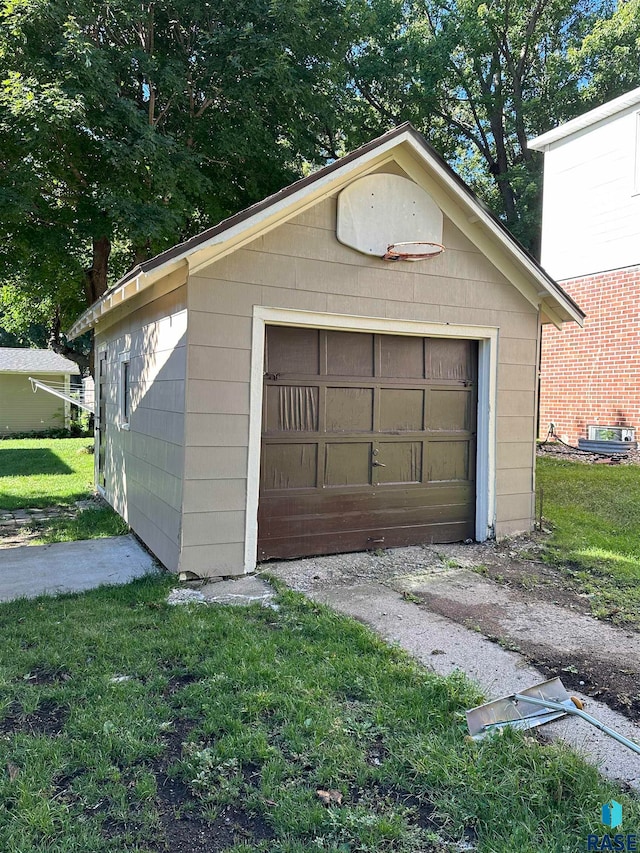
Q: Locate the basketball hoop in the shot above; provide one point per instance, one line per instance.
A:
(416, 251)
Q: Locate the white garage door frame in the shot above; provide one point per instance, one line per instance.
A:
(487, 337)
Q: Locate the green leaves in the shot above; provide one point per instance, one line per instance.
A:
(138, 124)
(609, 56)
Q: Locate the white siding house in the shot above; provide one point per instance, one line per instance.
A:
(591, 207)
(20, 409)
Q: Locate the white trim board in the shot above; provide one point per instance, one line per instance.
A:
(487, 336)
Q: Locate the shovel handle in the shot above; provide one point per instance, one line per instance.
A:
(576, 712)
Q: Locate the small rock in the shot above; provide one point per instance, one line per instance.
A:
(329, 797)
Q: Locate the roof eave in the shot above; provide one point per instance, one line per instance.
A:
(41, 371)
(271, 208)
(604, 111)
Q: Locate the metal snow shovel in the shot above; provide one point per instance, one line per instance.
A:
(534, 706)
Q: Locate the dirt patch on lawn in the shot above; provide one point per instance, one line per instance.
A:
(604, 677)
(183, 827)
(48, 719)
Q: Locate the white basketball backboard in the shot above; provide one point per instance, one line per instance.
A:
(381, 209)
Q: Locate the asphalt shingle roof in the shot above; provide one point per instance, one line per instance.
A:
(25, 360)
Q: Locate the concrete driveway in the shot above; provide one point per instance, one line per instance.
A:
(32, 570)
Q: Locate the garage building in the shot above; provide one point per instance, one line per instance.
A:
(280, 385)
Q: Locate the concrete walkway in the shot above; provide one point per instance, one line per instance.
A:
(32, 570)
(444, 646)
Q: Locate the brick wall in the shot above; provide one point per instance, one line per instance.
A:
(592, 375)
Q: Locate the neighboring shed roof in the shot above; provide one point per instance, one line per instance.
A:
(205, 247)
(25, 360)
(617, 105)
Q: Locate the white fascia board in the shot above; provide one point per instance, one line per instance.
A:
(617, 105)
(511, 247)
(119, 295)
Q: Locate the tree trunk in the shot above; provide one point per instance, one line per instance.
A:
(95, 278)
(58, 343)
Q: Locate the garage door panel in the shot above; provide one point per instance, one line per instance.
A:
(347, 464)
(448, 460)
(289, 466)
(449, 409)
(342, 542)
(401, 357)
(316, 502)
(292, 351)
(291, 408)
(349, 354)
(450, 359)
(364, 516)
(349, 410)
(402, 462)
(401, 410)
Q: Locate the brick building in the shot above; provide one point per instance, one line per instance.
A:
(590, 376)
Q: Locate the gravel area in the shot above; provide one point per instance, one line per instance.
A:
(382, 566)
(561, 451)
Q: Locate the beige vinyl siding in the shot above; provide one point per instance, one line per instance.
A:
(23, 411)
(300, 265)
(144, 464)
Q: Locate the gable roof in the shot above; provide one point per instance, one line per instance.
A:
(25, 360)
(617, 105)
(204, 248)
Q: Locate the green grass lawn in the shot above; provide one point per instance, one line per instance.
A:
(40, 472)
(49, 472)
(130, 725)
(595, 514)
(88, 524)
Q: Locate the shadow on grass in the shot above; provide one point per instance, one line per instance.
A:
(31, 462)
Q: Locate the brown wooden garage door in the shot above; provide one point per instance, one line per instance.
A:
(368, 441)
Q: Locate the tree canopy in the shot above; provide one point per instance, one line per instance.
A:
(128, 126)
(609, 56)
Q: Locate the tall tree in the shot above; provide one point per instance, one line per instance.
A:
(126, 126)
(609, 56)
(478, 79)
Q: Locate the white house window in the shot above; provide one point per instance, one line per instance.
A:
(124, 391)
